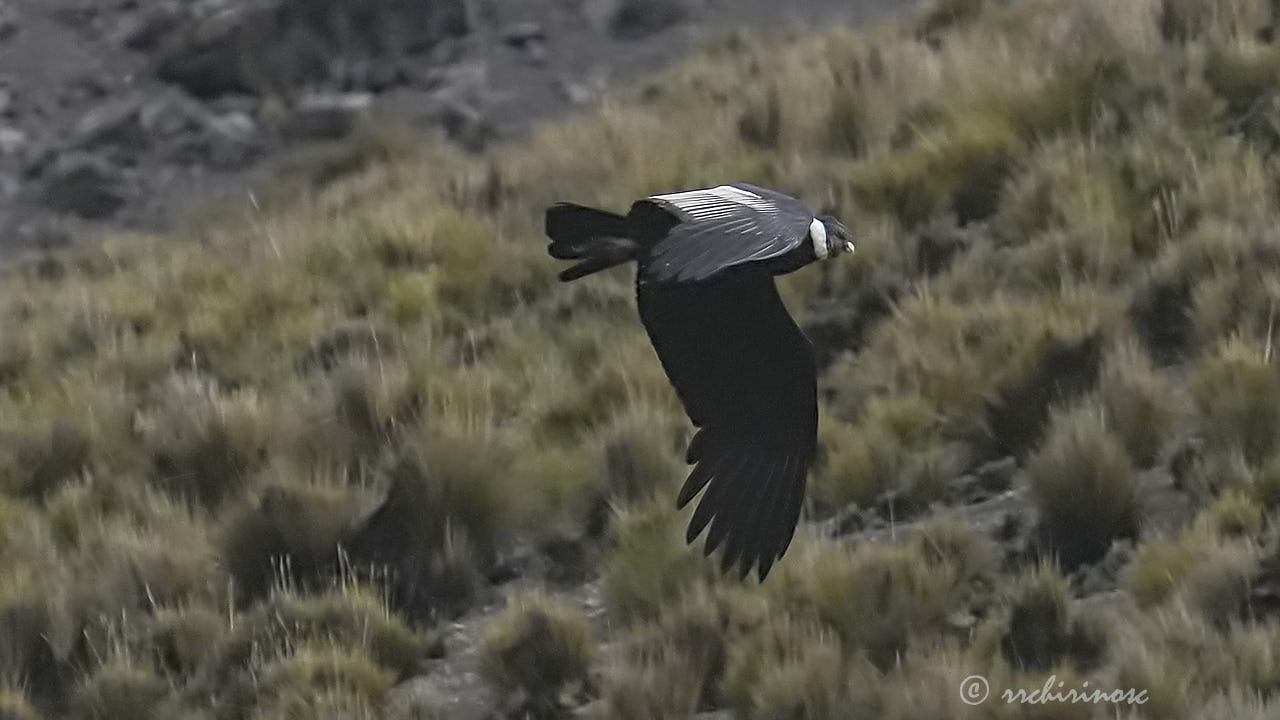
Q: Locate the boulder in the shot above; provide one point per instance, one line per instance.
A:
(145, 29)
(230, 140)
(86, 185)
(266, 47)
(325, 116)
(12, 140)
(636, 19)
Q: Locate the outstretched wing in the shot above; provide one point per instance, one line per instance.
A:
(745, 374)
(723, 227)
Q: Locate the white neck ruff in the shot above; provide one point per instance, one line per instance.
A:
(818, 234)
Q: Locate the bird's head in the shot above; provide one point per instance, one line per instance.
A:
(830, 237)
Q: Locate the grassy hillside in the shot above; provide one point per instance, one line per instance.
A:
(245, 476)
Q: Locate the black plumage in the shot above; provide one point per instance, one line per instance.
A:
(742, 368)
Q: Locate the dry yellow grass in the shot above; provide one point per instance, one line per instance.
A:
(193, 430)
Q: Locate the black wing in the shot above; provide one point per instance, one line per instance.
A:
(723, 227)
(746, 376)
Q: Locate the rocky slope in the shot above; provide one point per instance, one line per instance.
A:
(127, 114)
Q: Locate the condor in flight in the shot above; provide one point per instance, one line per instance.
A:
(743, 370)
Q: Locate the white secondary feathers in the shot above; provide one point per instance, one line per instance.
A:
(717, 202)
(818, 234)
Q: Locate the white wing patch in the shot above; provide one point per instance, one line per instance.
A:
(717, 203)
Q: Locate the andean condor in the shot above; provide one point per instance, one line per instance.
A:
(742, 369)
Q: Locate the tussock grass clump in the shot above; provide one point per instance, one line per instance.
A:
(1141, 405)
(1232, 515)
(649, 565)
(652, 689)
(1063, 369)
(1242, 72)
(1008, 359)
(642, 456)
(537, 648)
(289, 653)
(639, 461)
(957, 167)
(1203, 568)
(788, 667)
(123, 689)
(955, 549)
(287, 535)
(891, 449)
(15, 706)
(857, 465)
(1241, 303)
(1183, 659)
(1237, 704)
(350, 617)
(450, 499)
(673, 665)
(184, 640)
(1062, 186)
(465, 479)
(1236, 390)
(310, 702)
(351, 413)
(1182, 20)
(203, 441)
(1083, 486)
(294, 679)
(38, 463)
(1041, 631)
(1264, 486)
(877, 597)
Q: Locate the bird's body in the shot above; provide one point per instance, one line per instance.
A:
(743, 370)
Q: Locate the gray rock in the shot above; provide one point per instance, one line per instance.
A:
(581, 92)
(205, 52)
(8, 22)
(276, 46)
(454, 77)
(86, 185)
(88, 87)
(466, 125)
(231, 140)
(223, 141)
(636, 19)
(168, 116)
(144, 30)
(81, 16)
(12, 140)
(521, 34)
(529, 37)
(325, 116)
(127, 129)
(114, 123)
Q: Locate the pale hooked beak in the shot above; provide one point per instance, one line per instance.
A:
(848, 246)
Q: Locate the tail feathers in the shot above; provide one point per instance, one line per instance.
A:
(596, 237)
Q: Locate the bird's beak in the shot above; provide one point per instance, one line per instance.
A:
(848, 246)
